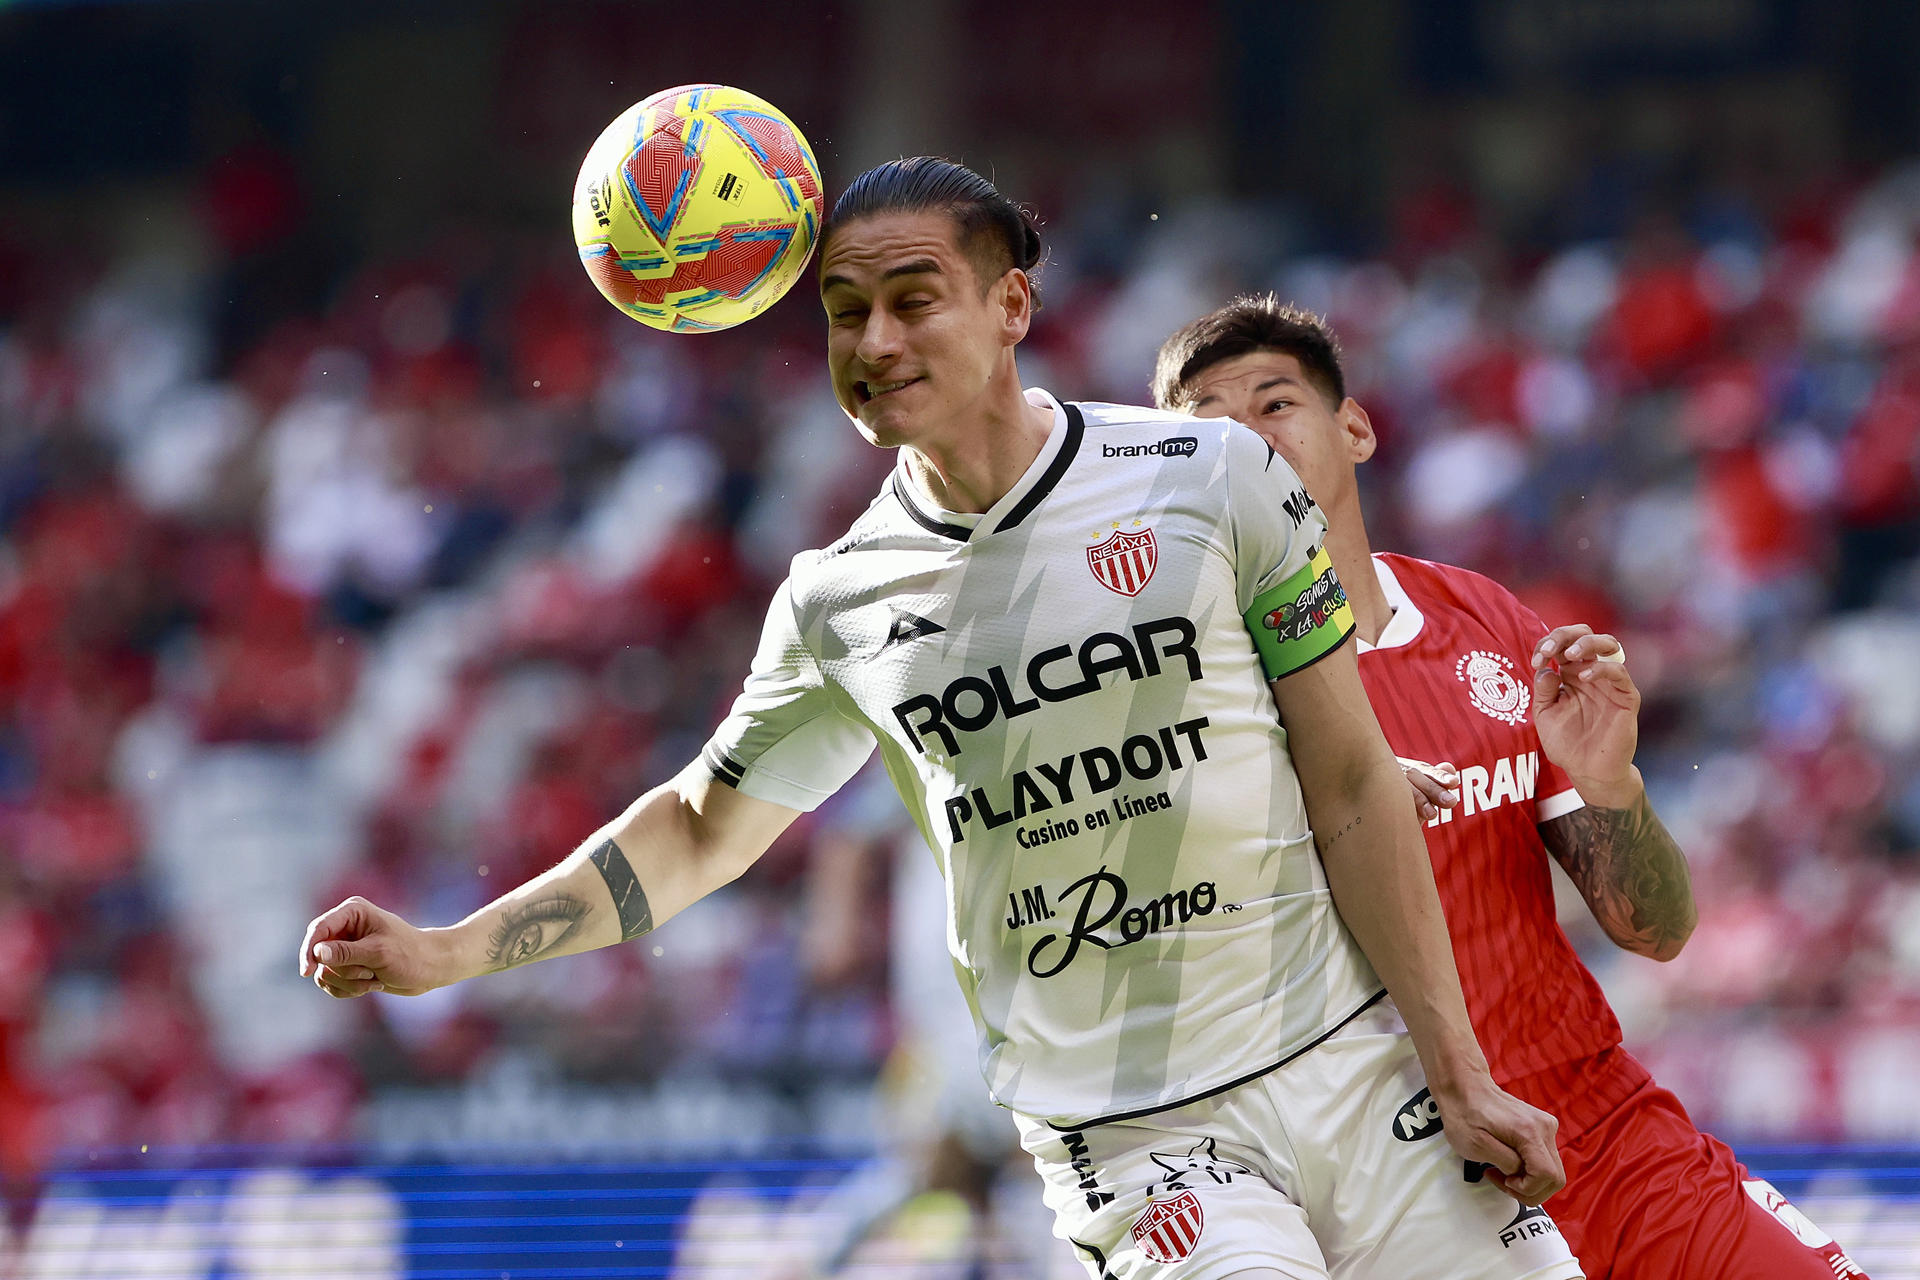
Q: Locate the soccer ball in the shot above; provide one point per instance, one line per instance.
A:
(697, 208)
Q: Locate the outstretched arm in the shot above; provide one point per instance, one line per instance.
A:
(1382, 882)
(673, 846)
(1615, 849)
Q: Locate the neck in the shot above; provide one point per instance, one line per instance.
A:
(1352, 560)
(974, 467)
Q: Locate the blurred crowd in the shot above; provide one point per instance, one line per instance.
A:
(403, 591)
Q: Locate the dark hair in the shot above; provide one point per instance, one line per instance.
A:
(995, 233)
(1251, 322)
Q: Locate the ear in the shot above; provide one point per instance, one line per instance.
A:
(1356, 428)
(1014, 295)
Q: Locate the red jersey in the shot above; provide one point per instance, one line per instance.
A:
(1451, 679)
(1648, 1196)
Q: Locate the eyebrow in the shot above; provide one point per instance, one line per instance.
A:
(919, 266)
(1279, 379)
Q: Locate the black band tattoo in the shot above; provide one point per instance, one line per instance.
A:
(1631, 872)
(533, 929)
(629, 899)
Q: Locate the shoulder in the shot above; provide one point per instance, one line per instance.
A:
(1101, 414)
(1435, 587)
(885, 525)
(1217, 446)
(880, 544)
(1432, 580)
(1133, 431)
(884, 517)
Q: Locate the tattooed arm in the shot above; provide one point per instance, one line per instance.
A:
(673, 846)
(576, 907)
(1625, 864)
(1586, 708)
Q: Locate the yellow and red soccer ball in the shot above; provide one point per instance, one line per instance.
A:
(697, 208)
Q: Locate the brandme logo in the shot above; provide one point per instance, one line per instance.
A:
(1174, 447)
(1420, 1118)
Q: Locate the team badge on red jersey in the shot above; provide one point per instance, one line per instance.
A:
(1169, 1229)
(1125, 561)
(1494, 685)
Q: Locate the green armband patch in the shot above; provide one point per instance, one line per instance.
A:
(1302, 619)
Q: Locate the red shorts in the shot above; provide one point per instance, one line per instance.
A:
(1650, 1197)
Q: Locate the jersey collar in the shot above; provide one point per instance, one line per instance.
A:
(1017, 503)
(1407, 618)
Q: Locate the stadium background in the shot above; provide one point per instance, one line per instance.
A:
(349, 542)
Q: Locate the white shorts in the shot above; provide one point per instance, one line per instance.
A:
(1307, 1170)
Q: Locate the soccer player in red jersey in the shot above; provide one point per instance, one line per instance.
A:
(1536, 731)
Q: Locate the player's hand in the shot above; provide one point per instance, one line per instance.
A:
(357, 948)
(1435, 786)
(1489, 1126)
(1586, 708)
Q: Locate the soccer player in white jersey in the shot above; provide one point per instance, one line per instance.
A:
(1105, 660)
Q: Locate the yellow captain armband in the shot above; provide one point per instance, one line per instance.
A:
(1296, 622)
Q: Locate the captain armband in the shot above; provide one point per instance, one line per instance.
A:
(1296, 622)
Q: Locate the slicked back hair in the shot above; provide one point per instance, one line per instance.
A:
(1251, 322)
(995, 233)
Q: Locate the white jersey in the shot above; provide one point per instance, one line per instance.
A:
(1067, 694)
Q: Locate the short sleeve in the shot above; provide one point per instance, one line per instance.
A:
(786, 740)
(1553, 792)
(1295, 609)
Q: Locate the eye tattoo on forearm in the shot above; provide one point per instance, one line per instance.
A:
(530, 930)
(636, 917)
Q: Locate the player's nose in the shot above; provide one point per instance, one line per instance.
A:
(880, 339)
